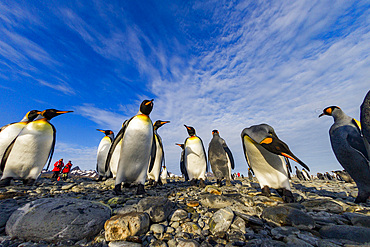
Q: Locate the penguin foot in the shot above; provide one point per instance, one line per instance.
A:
(202, 184)
(193, 182)
(219, 182)
(228, 183)
(5, 182)
(140, 189)
(29, 181)
(287, 195)
(117, 190)
(160, 182)
(100, 178)
(150, 182)
(266, 191)
(362, 197)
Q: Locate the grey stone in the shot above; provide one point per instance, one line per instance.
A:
(284, 231)
(68, 186)
(287, 216)
(62, 219)
(265, 243)
(123, 244)
(250, 219)
(352, 233)
(178, 215)
(191, 227)
(358, 219)
(125, 209)
(187, 243)
(323, 205)
(294, 241)
(7, 207)
(157, 228)
(157, 207)
(238, 224)
(221, 220)
(215, 201)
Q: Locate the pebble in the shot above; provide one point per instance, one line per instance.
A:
(177, 214)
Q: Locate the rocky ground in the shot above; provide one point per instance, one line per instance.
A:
(83, 212)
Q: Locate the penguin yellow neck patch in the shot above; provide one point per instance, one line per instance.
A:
(143, 116)
(193, 138)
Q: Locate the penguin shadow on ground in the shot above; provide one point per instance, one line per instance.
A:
(321, 192)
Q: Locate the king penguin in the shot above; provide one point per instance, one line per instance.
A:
(349, 148)
(25, 157)
(10, 131)
(306, 174)
(299, 174)
(182, 165)
(195, 160)
(102, 153)
(365, 121)
(137, 149)
(220, 158)
(153, 175)
(264, 153)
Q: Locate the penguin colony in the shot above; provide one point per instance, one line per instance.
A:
(137, 153)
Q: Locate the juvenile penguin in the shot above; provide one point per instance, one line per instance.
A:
(195, 159)
(25, 157)
(137, 149)
(153, 175)
(349, 149)
(264, 153)
(10, 131)
(365, 121)
(220, 158)
(182, 164)
(299, 174)
(102, 154)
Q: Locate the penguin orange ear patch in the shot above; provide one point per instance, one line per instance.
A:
(267, 140)
(329, 111)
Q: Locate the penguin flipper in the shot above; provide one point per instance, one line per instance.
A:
(115, 143)
(152, 154)
(6, 155)
(52, 146)
(288, 164)
(228, 152)
(356, 142)
(5, 126)
(245, 152)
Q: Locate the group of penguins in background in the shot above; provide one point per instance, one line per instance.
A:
(136, 153)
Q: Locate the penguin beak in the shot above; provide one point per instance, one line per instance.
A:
(62, 112)
(187, 127)
(164, 122)
(277, 146)
(100, 130)
(149, 102)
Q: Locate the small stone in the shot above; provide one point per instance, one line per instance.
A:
(68, 186)
(157, 207)
(352, 233)
(284, 231)
(192, 203)
(119, 227)
(294, 241)
(178, 215)
(187, 243)
(123, 244)
(157, 228)
(221, 220)
(358, 219)
(191, 227)
(323, 205)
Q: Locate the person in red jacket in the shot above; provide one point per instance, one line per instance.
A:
(66, 170)
(57, 168)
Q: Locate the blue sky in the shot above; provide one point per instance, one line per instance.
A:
(222, 65)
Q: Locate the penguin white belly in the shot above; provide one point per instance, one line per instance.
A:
(229, 166)
(8, 135)
(195, 160)
(103, 150)
(305, 175)
(154, 174)
(30, 151)
(164, 174)
(269, 168)
(113, 165)
(135, 151)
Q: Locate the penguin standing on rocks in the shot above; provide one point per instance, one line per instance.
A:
(138, 150)
(164, 175)
(344, 176)
(264, 153)
(349, 148)
(299, 174)
(320, 176)
(182, 164)
(250, 174)
(102, 154)
(153, 175)
(195, 160)
(220, 158)
(365, 121)
(25, 157)
(10, 131)
(306, 175)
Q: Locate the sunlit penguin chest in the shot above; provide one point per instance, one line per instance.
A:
(195, 160)
(269, 168)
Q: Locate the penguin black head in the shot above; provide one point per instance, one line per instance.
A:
(191, 130)
(215, 132)
(159, 123)
(328, 111)
(106, 132)
(31, 115)
(146, 106)
(50, 113)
